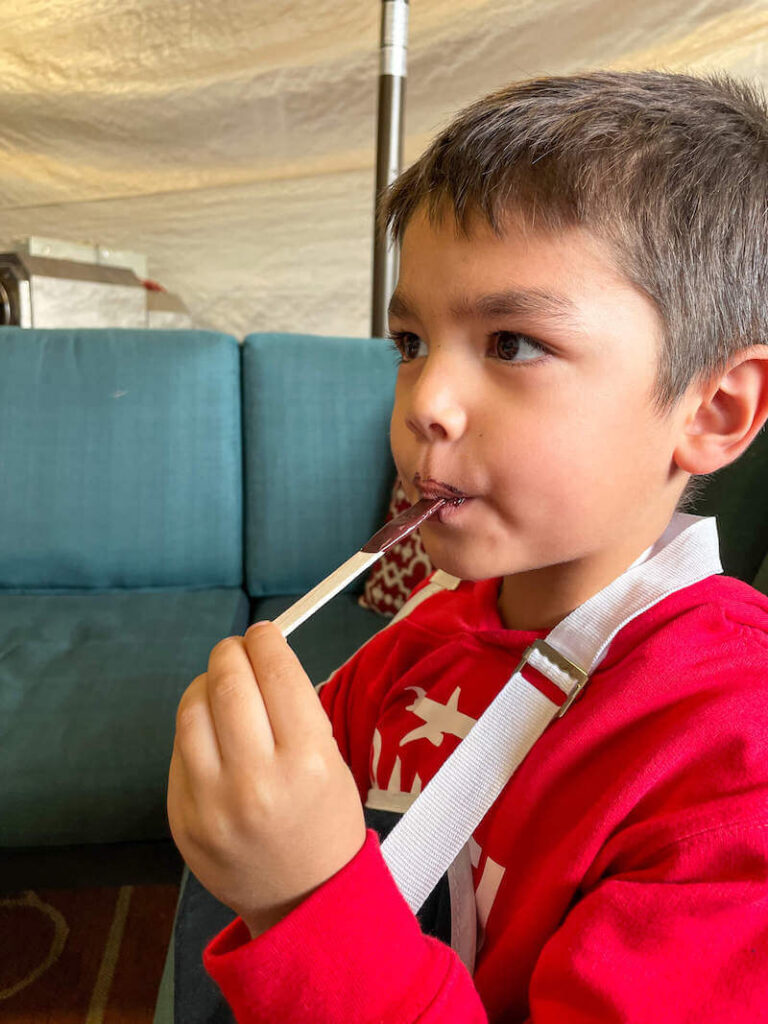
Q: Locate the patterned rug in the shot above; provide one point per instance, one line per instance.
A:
(84, 956)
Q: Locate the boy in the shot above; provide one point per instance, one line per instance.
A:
(580, 315)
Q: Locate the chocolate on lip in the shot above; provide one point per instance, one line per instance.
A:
(435, 489)
(450, 498)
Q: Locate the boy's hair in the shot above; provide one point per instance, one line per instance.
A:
(670, 169)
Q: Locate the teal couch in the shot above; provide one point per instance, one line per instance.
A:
(161, 490)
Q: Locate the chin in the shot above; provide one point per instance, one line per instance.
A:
(463, 568)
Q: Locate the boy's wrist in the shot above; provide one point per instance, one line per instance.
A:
(258, 924)
(261, 922)
(254, 930)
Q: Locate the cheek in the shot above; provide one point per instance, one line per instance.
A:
(554, 458)
(397, 428)
(398, 441)
(603, 460)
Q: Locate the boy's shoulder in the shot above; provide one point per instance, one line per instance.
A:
(715, 606)
(702, 651)
(741, 601)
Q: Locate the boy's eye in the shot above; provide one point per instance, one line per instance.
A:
(405, 343)
(506, 344)
(510, 343)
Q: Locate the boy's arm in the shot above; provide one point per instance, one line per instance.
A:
(352, 952)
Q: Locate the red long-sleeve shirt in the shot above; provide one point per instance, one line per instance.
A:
(620, 876)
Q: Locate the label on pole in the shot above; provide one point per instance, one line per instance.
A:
(394, 38)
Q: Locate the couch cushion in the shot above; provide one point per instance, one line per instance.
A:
(121, 460)
(318, 467)
(89, 686)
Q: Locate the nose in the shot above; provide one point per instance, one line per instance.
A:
(435, 402)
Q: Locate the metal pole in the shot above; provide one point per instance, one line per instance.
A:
(389, 148)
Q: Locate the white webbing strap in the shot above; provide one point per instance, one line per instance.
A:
(439, 581)
(441, 819)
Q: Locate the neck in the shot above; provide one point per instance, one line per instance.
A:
(541, 598)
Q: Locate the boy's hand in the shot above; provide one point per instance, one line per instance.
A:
(260, 802)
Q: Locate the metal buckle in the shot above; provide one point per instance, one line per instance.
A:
(564, 665)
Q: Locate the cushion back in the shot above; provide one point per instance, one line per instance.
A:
(120, 459)
(318, 467)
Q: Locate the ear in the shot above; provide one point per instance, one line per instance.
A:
(725, 414)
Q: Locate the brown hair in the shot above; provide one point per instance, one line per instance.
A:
(670, 169)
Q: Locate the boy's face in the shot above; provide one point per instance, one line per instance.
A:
(570, 470)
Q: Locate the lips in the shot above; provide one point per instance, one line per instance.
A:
(438, 489)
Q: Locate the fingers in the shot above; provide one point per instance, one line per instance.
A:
(254, 697)
(195, 742)
(237, 709)
(294, 709)
(179, 798)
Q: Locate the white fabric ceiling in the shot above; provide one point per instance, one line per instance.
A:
(234, 142)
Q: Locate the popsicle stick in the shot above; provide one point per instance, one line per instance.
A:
(381, 541)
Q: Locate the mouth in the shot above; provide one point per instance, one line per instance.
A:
(450, 501)
(438, 489)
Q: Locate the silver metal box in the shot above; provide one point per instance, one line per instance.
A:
(39, 291)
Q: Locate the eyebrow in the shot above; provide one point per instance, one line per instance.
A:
(534, 302)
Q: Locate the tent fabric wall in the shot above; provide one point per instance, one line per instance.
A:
(234, 143)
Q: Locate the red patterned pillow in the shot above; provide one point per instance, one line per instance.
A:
(399, 570)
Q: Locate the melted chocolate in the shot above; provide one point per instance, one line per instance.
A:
(402, 525)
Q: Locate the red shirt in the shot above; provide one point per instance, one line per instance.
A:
(620, 876)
